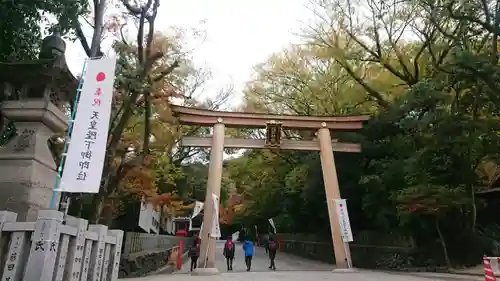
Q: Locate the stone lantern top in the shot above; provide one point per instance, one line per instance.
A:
(47, 78)
(53, 46)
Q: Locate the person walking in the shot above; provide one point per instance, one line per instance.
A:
(194, 254)
(248, 249)
(271, 249)
(265, 237)
(229, 253)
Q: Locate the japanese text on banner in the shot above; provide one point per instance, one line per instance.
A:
(86, 153)
(344, 223)
(215, 232)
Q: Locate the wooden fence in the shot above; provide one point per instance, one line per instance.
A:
(57, 248)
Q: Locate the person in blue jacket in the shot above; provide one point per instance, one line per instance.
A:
(248, 249)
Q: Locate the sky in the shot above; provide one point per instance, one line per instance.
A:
(239, 35)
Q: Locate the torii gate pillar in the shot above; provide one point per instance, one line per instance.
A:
(207, 249)
(332, 192)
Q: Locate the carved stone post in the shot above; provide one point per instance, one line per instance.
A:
(27, 168)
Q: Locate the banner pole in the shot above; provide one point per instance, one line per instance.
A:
(347, 255)
(68, 134)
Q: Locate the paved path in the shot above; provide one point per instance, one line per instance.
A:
(260, 262)
(289, 268)
(300, 276)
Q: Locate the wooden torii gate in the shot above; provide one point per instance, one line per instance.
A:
(273, 124)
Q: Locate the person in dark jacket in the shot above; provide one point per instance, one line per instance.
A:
(229, 253)
(248, 249)
(265, 237)
(271, 249)
(194, 253)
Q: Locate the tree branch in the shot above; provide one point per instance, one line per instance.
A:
(95, 45)
(133, 10)
(81, 37)
(151, 33)
(140, 38)
(167, 71)
(124, 41)
(464, 18)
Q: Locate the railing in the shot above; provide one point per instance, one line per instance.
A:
(136, 242)
(493, 239)
(364, 254)
(53, 249)
(145, 253)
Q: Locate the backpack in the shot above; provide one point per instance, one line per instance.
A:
(229, 245)
(193, 251)
(272, 245)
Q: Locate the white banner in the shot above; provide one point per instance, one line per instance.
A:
(144, 217)
(169, 226)
(155, 219)
(198, 206)
(173, 226)
(345, 225)
(87, 149)
(271, 222)
(215, 233)
(149, 217)
(235, 236)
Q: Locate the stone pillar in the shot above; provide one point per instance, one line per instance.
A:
(208, 251)
(332, 192)
(27, 167)
(42, 257)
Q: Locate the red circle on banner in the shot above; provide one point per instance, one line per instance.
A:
(100, 76)
(340, 205)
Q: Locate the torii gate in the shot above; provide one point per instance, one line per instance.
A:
(273, 125)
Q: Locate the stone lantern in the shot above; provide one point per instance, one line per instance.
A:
(36, 97)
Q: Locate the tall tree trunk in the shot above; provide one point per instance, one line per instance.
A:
(146, 13)
(108, 214)
(147, 123)
(474, 208)
(116, 134)
(110, 155)
(472, 168)
(95, 46)
(496, 26)
(442, 242)
(93, 50)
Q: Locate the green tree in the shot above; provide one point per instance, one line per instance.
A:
(24, 22)
(432, 201)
